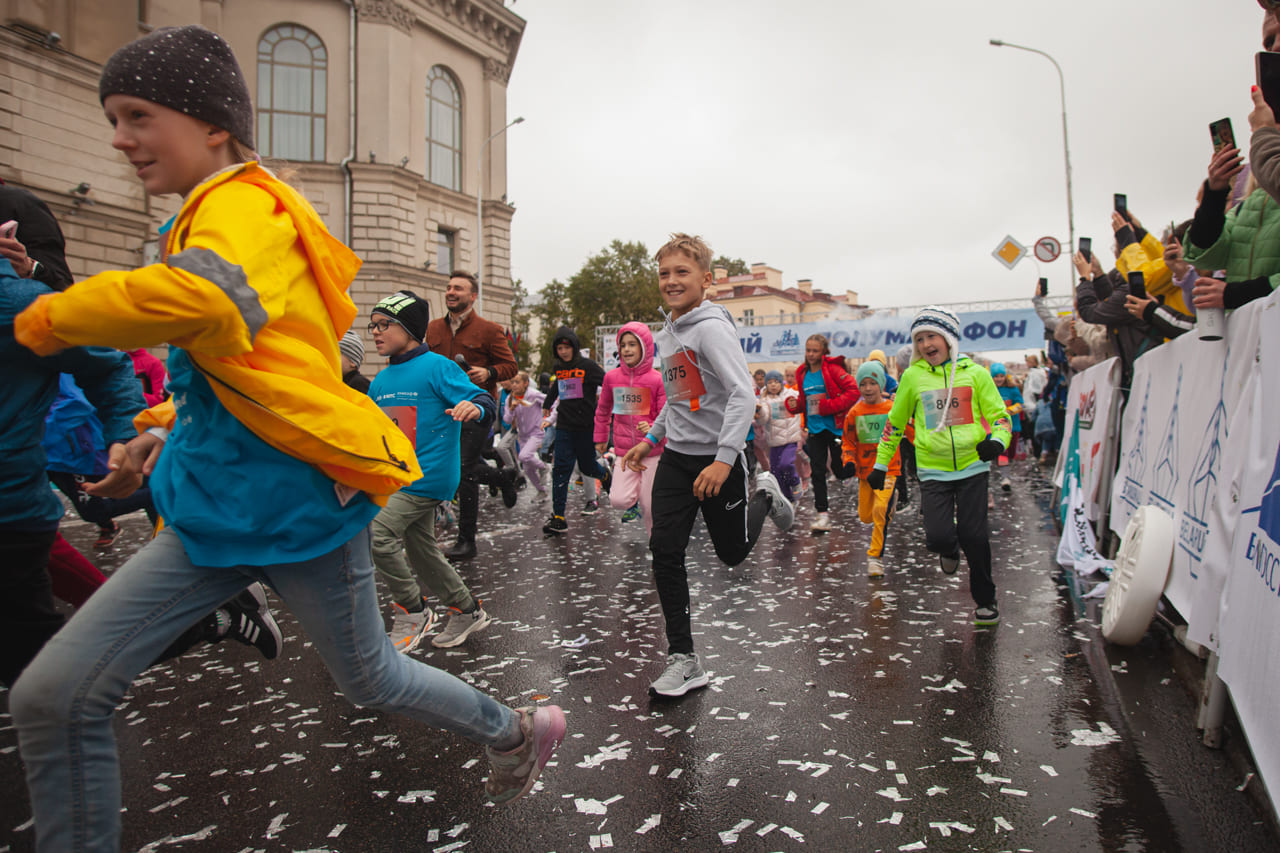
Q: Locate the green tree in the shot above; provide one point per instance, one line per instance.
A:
(521, 314)
(735, 266)
(616, 285)
(552, 313)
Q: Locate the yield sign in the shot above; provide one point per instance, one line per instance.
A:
(1009, 252)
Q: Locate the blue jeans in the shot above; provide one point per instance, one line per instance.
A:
(572, 446)
(63, 703)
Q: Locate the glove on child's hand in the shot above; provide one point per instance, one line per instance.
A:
(876, 479)
(989, 449)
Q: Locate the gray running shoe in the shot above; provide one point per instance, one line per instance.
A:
(408, 629)
(683, 673)
(460, 626)
(949, 564)
(780, 510)
(986, 616)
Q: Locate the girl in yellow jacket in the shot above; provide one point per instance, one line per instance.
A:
(264, 465)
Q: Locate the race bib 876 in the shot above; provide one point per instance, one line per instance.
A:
(936, 410)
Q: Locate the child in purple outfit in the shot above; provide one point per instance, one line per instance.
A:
(524, 412)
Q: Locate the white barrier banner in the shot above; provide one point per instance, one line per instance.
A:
(1090, 397)
(1249, 638)
(1171, 450)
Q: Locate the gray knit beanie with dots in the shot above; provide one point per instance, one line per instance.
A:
(189, 69)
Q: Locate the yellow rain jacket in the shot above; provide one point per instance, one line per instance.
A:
(254, 288)
(1147, 257)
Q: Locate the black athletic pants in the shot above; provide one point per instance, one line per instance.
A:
(821, 446)
(475, 470)
(733, 522)
(955, 519)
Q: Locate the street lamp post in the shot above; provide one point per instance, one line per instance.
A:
(480, 210)
(1066, 151)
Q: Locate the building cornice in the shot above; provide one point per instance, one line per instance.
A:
(488, 20)
(386, 12)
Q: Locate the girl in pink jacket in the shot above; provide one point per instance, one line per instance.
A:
(630, 400)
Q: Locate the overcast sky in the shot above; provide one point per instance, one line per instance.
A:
(882, 147)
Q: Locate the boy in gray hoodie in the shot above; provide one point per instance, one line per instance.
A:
(710, 404)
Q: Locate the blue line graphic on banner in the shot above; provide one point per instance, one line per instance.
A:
(982, 331)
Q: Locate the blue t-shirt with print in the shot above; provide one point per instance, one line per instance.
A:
(815, 389)
(415, 394)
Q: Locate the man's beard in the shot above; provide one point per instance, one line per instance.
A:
(460, 308)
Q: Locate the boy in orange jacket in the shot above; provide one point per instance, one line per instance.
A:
(863, 427)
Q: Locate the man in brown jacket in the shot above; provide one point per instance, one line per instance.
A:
(483, 346)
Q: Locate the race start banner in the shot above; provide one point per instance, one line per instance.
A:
(981, 332)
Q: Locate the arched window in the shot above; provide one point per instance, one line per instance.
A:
(291, 93)
(444, 129)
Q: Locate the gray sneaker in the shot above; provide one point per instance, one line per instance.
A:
(683, 673)
(949, 563)
(408, 629)
(460, 626)
(780, 510)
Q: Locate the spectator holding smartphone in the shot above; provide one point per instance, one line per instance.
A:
(1100, 299)
(1137, 250)
(37, 251)
(1245, 241)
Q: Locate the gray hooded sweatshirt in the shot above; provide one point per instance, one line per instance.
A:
(718, 422)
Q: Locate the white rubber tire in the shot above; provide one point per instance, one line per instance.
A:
(1142, 569)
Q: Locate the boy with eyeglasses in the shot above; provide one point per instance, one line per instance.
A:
(429, 397)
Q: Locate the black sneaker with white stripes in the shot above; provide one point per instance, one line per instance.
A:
(252, 623)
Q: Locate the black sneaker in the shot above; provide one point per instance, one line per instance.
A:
(463, 549)
(508, 487)
(555, 525)
(591, 508)
(950, 564)
(252, 623)
(986, 616)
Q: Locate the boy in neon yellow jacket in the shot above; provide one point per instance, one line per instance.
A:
(949, 397)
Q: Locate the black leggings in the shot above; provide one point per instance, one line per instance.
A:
(821, 446)
(955, 519)
(733, 523)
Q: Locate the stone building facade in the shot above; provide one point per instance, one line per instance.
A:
(759, 298)
(382, 108)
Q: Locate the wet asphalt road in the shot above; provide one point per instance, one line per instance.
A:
(843, 713)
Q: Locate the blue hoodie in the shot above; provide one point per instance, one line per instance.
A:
(30, 384)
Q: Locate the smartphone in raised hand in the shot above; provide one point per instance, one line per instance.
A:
(1137, 285)
(1268, 67)
(1121, 203)
(1222, 135)
(1043, 288)
(1086, 249)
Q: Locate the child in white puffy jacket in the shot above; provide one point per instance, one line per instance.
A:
(782, 429)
